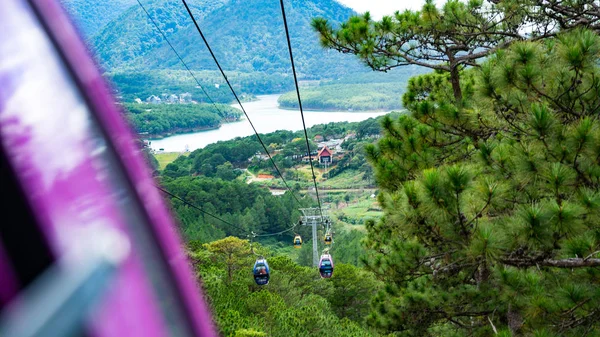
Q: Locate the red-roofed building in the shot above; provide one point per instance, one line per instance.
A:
(325, 155)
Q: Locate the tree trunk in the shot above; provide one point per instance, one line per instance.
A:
(455, 80)
(515, 321)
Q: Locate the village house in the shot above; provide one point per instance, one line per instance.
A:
(259, 156)
(153, 99)
(185, 98)
(333, 144)
(325, 155)
(173, 98)
(313, 156)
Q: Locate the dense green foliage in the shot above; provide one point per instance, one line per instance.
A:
(250, 207)
(90, 19)
(161, 119)
(492, 205)
(239, 152)
(490, 187)
(296, 302)
(452, 37)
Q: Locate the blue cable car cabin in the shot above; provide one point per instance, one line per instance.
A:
(326, 266)
(297, 241)
(261, 272)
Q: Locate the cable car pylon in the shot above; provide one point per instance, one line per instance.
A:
(313, 217)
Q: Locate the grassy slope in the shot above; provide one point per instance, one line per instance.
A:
(164, 158)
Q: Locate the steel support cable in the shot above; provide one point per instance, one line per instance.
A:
(180, 59)
(287, 35)
(238, 100)
(201, 87)
(252, 234)
(278, 233)
(250, 237)
(200, 209)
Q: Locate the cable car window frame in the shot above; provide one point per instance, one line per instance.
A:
(127, 166)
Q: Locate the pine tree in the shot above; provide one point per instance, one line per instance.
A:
(492, 206)
(456, 36)
(490, 186)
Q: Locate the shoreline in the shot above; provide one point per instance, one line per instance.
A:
(266, 113)
(334, 110)
(183, 131)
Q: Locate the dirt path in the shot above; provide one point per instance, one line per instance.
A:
(370, 189)
(253, 177)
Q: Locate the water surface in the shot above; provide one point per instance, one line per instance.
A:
(266, 116)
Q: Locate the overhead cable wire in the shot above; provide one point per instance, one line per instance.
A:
(211, 100)
(200, 209)
(238, 100)
(251, 233)
(180, 58)
(278, 233)
(287, 35)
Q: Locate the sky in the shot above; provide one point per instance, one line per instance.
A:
(379, 8)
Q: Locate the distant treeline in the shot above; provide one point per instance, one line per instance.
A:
(356, 91)
(132, 85)
(162, 119)
(356, 97)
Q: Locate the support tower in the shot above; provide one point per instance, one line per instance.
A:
(312, 217)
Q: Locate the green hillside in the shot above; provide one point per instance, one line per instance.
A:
(356, 92)
(142, 84)
(246, 36)
(249, 41)
(91, 16)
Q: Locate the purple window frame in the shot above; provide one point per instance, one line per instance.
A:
(93, 88)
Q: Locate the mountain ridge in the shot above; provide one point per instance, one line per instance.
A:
(246, 36)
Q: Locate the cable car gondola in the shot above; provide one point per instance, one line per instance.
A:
(328, 239)
(326, 266)
(261, 271)
(297, 241)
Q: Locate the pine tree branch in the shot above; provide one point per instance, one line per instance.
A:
(480, 213)
(570, 311)
(592, 254)
(579, 321)
(564, 263)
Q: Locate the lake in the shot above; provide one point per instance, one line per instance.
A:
(266, 116)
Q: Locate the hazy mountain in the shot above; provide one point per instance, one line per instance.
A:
(91, 16)
(246, 35)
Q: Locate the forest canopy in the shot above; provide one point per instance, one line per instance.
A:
(161, 119)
